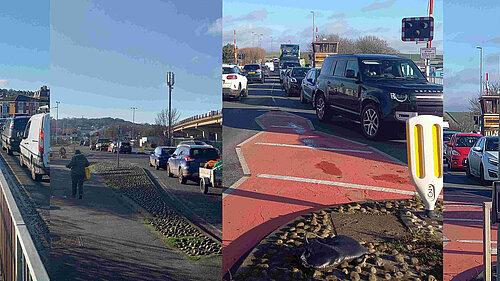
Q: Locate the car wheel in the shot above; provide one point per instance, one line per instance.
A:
(323, 112)
(9, 151)
(302, 99)
(182, 178)
(169, 173)
(371, 121)
(204, 185)
(35, 176)
(150, 165)
(468, 173)
(157, 166)
(483, 181)
(21, 163)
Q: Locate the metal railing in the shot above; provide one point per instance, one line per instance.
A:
(19, 257)
(200, 116)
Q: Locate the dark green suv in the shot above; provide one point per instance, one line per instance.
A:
(380, 91)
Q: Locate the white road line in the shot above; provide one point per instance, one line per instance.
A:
(243, 162)
(234, 186)
(455, 219)
(318, 148)
(342, 184)
(463, 205)
(250, 138)
(260, 124)
(474, 241)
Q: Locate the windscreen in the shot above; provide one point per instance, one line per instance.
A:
(466, 141)
(252, 67)
(300, 72)
(168, 151)
(229, 70)
(20, 123)
(492, 144)
(390, 69)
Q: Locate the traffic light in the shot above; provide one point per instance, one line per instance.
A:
(417, 29)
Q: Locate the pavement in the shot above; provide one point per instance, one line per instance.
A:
(104, 237)
(288, 168)
(463, 226)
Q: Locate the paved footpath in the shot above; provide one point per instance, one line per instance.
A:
(103, 238)
(292, 170)
(463, 231)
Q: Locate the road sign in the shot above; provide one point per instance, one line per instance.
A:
(424, 136)
(420, 29)
(428, 53)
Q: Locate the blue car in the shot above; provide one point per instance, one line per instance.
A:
(187, 160)
(159, 157)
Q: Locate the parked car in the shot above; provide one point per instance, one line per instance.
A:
(457, 149)
(294, 80)
(309, 86)
(285, 66)
(35, 146)
(13, 132)
(123, 147)
(482, 160)
(234, 83)
(253, 72)
(102, 144)
(270, 64)
(380, 91)
(159, 157)
(187, 159)
(111, 146)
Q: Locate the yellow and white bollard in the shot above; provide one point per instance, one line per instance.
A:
(424, 140)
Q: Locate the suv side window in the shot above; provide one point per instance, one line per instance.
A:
(177, 151)
(340, 68)
(27, 130)
(326, 69)
(353, 65)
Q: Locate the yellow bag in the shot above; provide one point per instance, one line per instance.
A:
(87, 174)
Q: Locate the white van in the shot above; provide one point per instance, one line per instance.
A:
(35, 146)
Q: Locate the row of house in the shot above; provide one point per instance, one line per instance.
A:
(23, 102)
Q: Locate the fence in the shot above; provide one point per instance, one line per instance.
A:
(20, 260)
(200, 116)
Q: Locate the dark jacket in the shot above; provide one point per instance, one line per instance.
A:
(78, 164)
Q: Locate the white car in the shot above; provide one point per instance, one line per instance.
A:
(270, 64)
(482, 160)
(35, 146)
(234, 83)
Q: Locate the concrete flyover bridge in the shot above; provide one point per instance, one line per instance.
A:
(205, 126)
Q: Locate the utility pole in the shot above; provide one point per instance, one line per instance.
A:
(170, 83)
(253, 33)
(235, 54)
(118, 150)
(57, 117)
(133, 121)
(480, 70)
(429, 43)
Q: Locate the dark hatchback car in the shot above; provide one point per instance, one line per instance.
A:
(187, 159)
(13, 132)
(309, 86)
(381, 91)
(159, 157)
(124, 147)
(284, 66)
(294, 80)
(254, 72)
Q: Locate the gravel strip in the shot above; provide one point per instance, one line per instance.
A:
(407, 251)
(177, 231)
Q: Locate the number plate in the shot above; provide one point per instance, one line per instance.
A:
(251, 72)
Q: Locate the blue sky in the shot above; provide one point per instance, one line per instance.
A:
(107, 56)
(292, 20)
(469, 24)
(24, 44)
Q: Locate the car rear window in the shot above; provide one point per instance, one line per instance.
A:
(209, 153)
(466, 141)
(229, 70)
(125, 144)
(299, 72)
(168, 151)
(103, 140)
(20, 124)
(252, 67)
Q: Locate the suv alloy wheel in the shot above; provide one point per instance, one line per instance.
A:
(371, 122)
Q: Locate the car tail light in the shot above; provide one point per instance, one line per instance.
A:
(234, 91)
(159, 156)
(259, 70)
(40, 142)
(218, 158)
(231, 77)
(11, 140)
(188, 159)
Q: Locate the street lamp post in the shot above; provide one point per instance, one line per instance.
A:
(480, 70)
(170, 83)
(133, 121)
(313, 26)
(253, 33)
(57, 117)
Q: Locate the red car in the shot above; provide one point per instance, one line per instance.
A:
(457, 149)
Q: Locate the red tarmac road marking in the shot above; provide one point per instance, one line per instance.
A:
(291, 175)
(463, 226)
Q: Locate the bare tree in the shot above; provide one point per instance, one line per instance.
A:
(474, 105)
(361, 45)
(253, 55)
(162, 118)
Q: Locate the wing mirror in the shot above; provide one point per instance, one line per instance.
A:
(477, 148)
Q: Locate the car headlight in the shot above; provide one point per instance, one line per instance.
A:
(493, 161)
(455, 153)
(293, 80)
(399, 97)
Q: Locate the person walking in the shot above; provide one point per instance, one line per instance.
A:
(77, 165)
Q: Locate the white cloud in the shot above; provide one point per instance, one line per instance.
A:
(4, 84)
